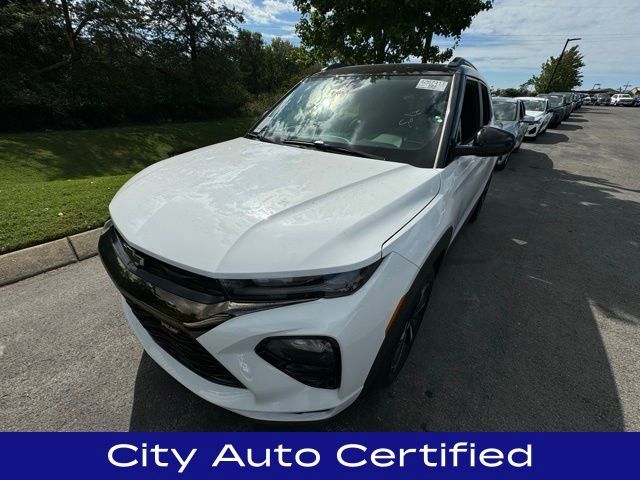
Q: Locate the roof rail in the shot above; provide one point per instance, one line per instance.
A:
(459, 61)
(334, 65)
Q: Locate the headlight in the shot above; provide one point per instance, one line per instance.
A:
(299, 288)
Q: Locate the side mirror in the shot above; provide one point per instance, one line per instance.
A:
(528, 119)
(489, 142)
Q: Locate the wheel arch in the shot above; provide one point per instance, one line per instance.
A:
(433, 263)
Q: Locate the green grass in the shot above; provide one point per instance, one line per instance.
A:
(54, 184)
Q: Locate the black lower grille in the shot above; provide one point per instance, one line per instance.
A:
(184, 348)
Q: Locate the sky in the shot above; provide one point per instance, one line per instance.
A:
(509, 43)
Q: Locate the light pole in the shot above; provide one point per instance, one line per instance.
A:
(560, 59)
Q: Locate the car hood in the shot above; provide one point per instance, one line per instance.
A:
(535, 114)
(248, 208)
(508, 125)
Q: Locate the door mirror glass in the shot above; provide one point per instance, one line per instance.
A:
(488, 142)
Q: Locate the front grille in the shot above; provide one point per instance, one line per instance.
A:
(181, 282)
(184, 348)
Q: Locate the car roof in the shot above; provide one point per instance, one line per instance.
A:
(386, 69)
(505, 99)
(456, 65)
(532, 98)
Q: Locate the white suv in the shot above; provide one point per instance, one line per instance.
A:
(280, 274)
(622, 99)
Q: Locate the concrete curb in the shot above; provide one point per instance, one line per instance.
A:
(28, 262)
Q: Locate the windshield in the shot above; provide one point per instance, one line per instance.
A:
(505, 111)
(398, 118)
(534, 105)
(555, 101)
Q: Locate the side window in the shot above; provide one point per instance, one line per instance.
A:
(486, 105)
(470, 116)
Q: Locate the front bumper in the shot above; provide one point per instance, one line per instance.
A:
(533, 130)
(357, 322)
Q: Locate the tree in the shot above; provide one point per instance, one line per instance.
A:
(377, 31)
(94, 63)
(568, 73)
(192, 25)
(511, 92)
(249, 54)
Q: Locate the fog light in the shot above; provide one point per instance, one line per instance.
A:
(314, 361)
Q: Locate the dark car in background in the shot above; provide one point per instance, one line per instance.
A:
(568, 102)
(509, 114)
(602, 99)
(556, 108)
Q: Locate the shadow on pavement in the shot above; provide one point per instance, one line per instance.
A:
(568, 126)
(551, 137)
(510, 341)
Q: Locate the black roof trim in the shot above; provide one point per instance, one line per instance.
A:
(333, 66)
(386, 69)
(459, 61)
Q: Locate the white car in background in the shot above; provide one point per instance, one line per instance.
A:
(538, 109)
(623, 99)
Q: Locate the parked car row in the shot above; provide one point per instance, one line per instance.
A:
(529, 117)
(616, 100)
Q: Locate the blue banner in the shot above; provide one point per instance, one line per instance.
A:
(320, 455)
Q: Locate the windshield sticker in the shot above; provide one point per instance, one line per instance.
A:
(427, 84)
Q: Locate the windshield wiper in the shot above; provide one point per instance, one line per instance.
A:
(260, 136)
(331, 147)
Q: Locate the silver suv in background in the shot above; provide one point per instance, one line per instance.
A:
(622, 99)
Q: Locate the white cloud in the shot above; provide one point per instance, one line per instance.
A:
(511, 41)
(265, 12)
(271, 36)
(517, 36)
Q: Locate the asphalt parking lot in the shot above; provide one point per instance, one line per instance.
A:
(534, 322)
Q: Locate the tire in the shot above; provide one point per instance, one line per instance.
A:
(397, 345)
(502, 166)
